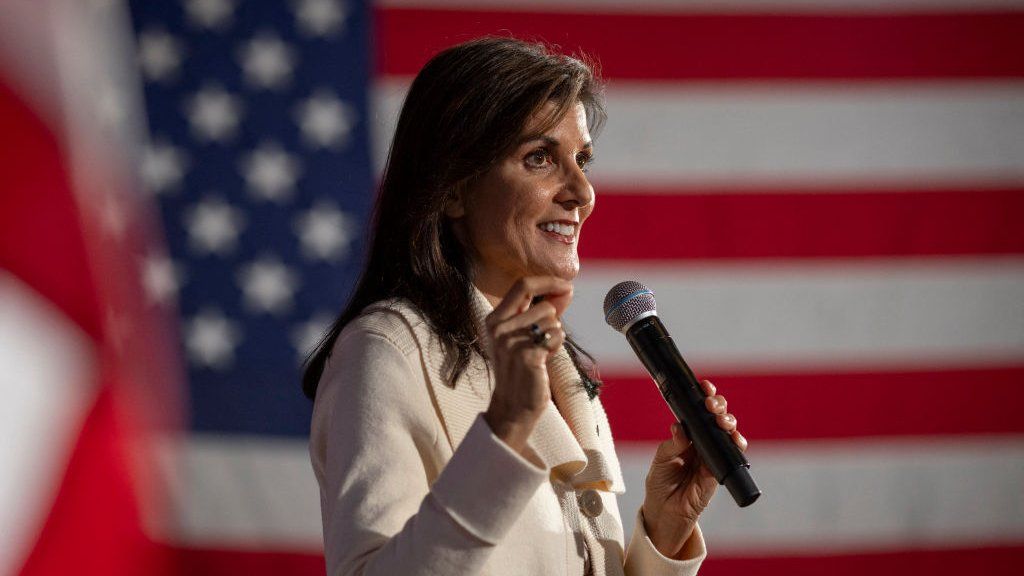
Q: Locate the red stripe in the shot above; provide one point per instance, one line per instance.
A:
(809, 406)
(991, 561)
(716, 46)
(214, 562)
(652, 226)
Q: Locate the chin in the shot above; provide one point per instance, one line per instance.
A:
(563, 266)
(569, 274)
(565, 271)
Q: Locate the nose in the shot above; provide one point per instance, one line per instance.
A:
(576, 191)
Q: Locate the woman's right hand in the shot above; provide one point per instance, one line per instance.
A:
(522, 389)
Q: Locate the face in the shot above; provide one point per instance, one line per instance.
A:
(524, 216)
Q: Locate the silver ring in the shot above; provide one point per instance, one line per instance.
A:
(540, 337)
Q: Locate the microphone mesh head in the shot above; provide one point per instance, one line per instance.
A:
(625, 301)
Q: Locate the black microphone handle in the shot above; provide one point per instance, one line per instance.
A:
(685, 398)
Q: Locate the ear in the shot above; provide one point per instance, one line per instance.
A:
(455, 206)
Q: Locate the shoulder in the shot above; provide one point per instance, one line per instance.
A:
(373, 391)
(377, 358)
(395, 321)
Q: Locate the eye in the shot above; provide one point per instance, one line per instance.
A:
(538, 158)
(584, 160)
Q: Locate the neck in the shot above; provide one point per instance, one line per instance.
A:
(494, 289)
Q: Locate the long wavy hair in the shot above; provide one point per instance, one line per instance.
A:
(463, 113)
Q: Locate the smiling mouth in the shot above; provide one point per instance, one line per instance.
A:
(564, 232)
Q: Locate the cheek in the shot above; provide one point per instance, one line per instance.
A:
(500, 229)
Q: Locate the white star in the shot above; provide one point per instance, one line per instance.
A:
(213, 226)
(160, 55)
(210, 339)
(210, 14)
(162, 278)
(325, 232)
(162, 166)
(267, 61)
(268, 286)
(270, 172)
(325, 121)
(319, 17)
(213, 113)
(305, 336)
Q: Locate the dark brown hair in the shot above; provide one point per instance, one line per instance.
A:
(463, 113)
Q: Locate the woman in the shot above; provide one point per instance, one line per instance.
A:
(455, 428)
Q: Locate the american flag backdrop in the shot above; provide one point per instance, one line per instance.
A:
(827, 197)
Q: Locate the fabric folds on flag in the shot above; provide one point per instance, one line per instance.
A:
(89, 366)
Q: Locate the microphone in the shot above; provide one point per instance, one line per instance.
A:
(629, 308)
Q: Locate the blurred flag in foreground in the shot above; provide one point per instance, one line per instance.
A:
(88, 367)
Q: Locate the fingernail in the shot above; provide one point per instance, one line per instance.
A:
(730, 418)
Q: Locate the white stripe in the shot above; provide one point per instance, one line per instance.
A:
(846, 496)
(714, 6)
(757, 135)
(778, 315)
(818, 497)
(47, 378)
(386, 97)
(242, 492)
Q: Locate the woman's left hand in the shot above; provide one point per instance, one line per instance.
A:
(679, 485)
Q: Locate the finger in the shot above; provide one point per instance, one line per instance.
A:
(716, 404)
(543, 313)
(560, 296)
(740, 440)
(679, 437)
(536, 353)
(557, 338)
(708, 387)
(672, 447)
(554, 342)
(555, 290)
(528, 333)
(726, 422)
(523, 350)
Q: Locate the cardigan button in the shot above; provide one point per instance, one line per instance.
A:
(590, 503)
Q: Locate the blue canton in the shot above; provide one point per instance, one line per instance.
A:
(260, 164)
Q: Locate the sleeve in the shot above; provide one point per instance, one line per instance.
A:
(643, 559)
(377, 432)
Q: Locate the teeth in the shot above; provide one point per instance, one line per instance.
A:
(563, 229)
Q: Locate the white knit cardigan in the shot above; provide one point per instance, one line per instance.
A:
(412, 481)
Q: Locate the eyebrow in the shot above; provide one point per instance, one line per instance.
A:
(554, 143)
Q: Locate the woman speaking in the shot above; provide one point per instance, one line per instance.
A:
(456, 427)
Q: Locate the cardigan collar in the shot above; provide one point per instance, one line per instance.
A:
(572, 436)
